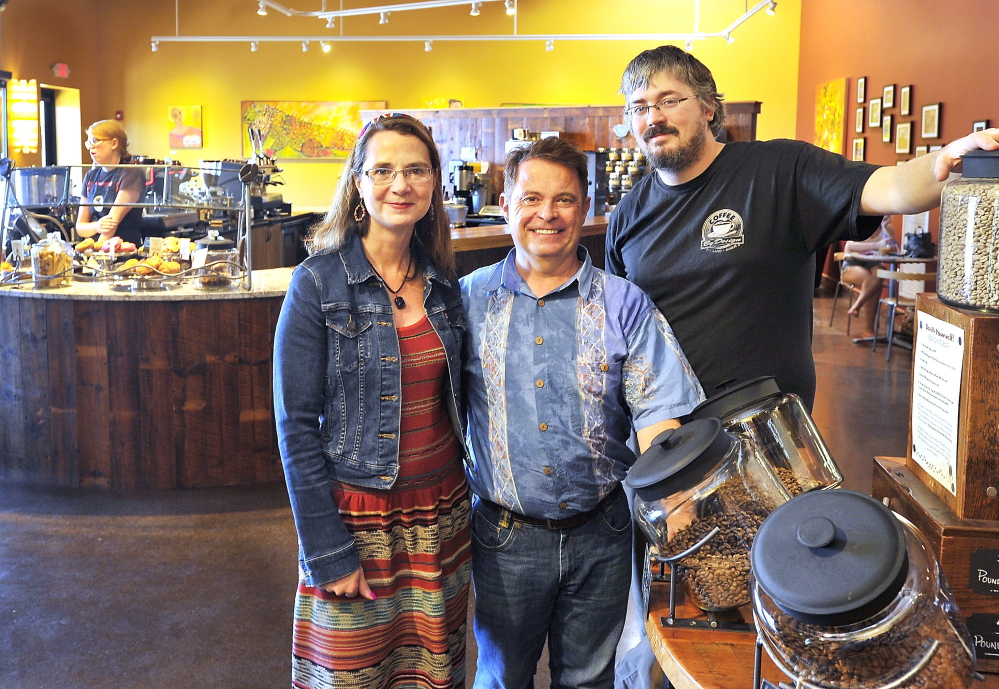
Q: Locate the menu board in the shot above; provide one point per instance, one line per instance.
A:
(936, 392)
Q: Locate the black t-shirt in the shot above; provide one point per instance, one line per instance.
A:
(729, 256)
(101, 187)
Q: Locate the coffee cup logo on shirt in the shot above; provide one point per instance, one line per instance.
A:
(722, 231)
(98, 203)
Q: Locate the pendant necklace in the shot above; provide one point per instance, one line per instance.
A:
(400, 303)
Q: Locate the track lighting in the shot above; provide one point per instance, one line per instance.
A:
(253, 46)
(475, 9)
(155, 46)
(262, 9)
(772, 7)
(549, 45)
(325, 46)
(728, 37)
(428, 46)
(330, 22)
(383, 18)
(305, 46)
(690, 46)
(510, 7)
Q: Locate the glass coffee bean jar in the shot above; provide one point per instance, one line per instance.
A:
(968, 265)
(698, 485)
(52, 263)
(216, 260)
(781, 428)
(848, 594)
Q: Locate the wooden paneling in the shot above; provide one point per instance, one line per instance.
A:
(589, 126)
(137, 394)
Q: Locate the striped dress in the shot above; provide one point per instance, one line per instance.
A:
(414, 546)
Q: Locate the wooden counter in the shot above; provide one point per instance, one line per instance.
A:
(149, 390)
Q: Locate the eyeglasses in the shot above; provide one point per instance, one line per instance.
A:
(90, 143)
(533, 201)
(386, 175)
(663, 105)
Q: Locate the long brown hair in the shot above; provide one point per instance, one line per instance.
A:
(432, 232)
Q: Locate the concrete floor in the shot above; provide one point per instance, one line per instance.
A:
(195, 588)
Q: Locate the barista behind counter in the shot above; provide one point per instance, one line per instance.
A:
(105, 186)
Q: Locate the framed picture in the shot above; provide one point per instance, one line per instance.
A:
(185, 129)
(888, 97)
(858, 149)
(980, 126)
(861, 89)
(859, 124)
(903, 137)
(904, 100)
(935, 147)
(886, 128)
(316, 130)
(922, 150)
(874, 114)
(931, 121)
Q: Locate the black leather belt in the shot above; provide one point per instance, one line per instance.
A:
(506, 515)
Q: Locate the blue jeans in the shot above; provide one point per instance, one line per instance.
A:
(569, 586)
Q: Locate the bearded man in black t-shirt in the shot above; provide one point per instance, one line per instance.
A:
(723, 236)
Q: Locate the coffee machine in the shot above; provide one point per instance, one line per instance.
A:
(463, 182)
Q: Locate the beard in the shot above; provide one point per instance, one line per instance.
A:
(685, 154)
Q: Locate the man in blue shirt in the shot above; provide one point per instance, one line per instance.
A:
(562, 362)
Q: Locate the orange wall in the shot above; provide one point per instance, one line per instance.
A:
(945, 50)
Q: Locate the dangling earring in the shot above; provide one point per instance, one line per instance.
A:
(431, 214)
(360, 211)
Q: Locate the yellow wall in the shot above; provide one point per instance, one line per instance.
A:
(760, 65)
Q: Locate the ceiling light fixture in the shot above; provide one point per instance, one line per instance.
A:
(305, 46)
(549, 45)
(253, 46)
(428, 46)
(155, 46)
(771, 8)
(475, 9)
(262, 9)
(690, 46)
(325, 46)
(383, 11)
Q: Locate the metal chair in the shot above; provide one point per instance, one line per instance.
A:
(893, 301)
(839, 256)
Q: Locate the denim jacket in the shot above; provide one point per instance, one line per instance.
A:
(344, 425)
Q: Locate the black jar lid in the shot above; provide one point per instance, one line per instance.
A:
(679, 458)
(214, 242)
(830, 557)
(980, 164)
(738, 396)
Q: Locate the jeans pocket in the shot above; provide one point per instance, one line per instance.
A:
(617, 517)
(488, 533)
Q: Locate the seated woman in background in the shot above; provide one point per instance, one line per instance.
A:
(105, 185)
(864, 276)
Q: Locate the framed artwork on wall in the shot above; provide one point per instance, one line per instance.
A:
(931, 121)
(888, 97)
(318, 130)
(980, 126)
(886, 128)
(186, 127)
(859, 124)
(922, 150)
(858, 148)
(903, 137)
(831, 101)
(905, 100)
(861, 89)
(874, 113)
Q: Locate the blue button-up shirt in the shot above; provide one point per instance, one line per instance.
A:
(554, 385)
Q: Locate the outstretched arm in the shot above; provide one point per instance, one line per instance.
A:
(915, 186)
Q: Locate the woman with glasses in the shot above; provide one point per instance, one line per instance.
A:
(366, 375)
(106, 185)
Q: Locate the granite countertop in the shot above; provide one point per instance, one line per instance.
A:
(266, 283)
